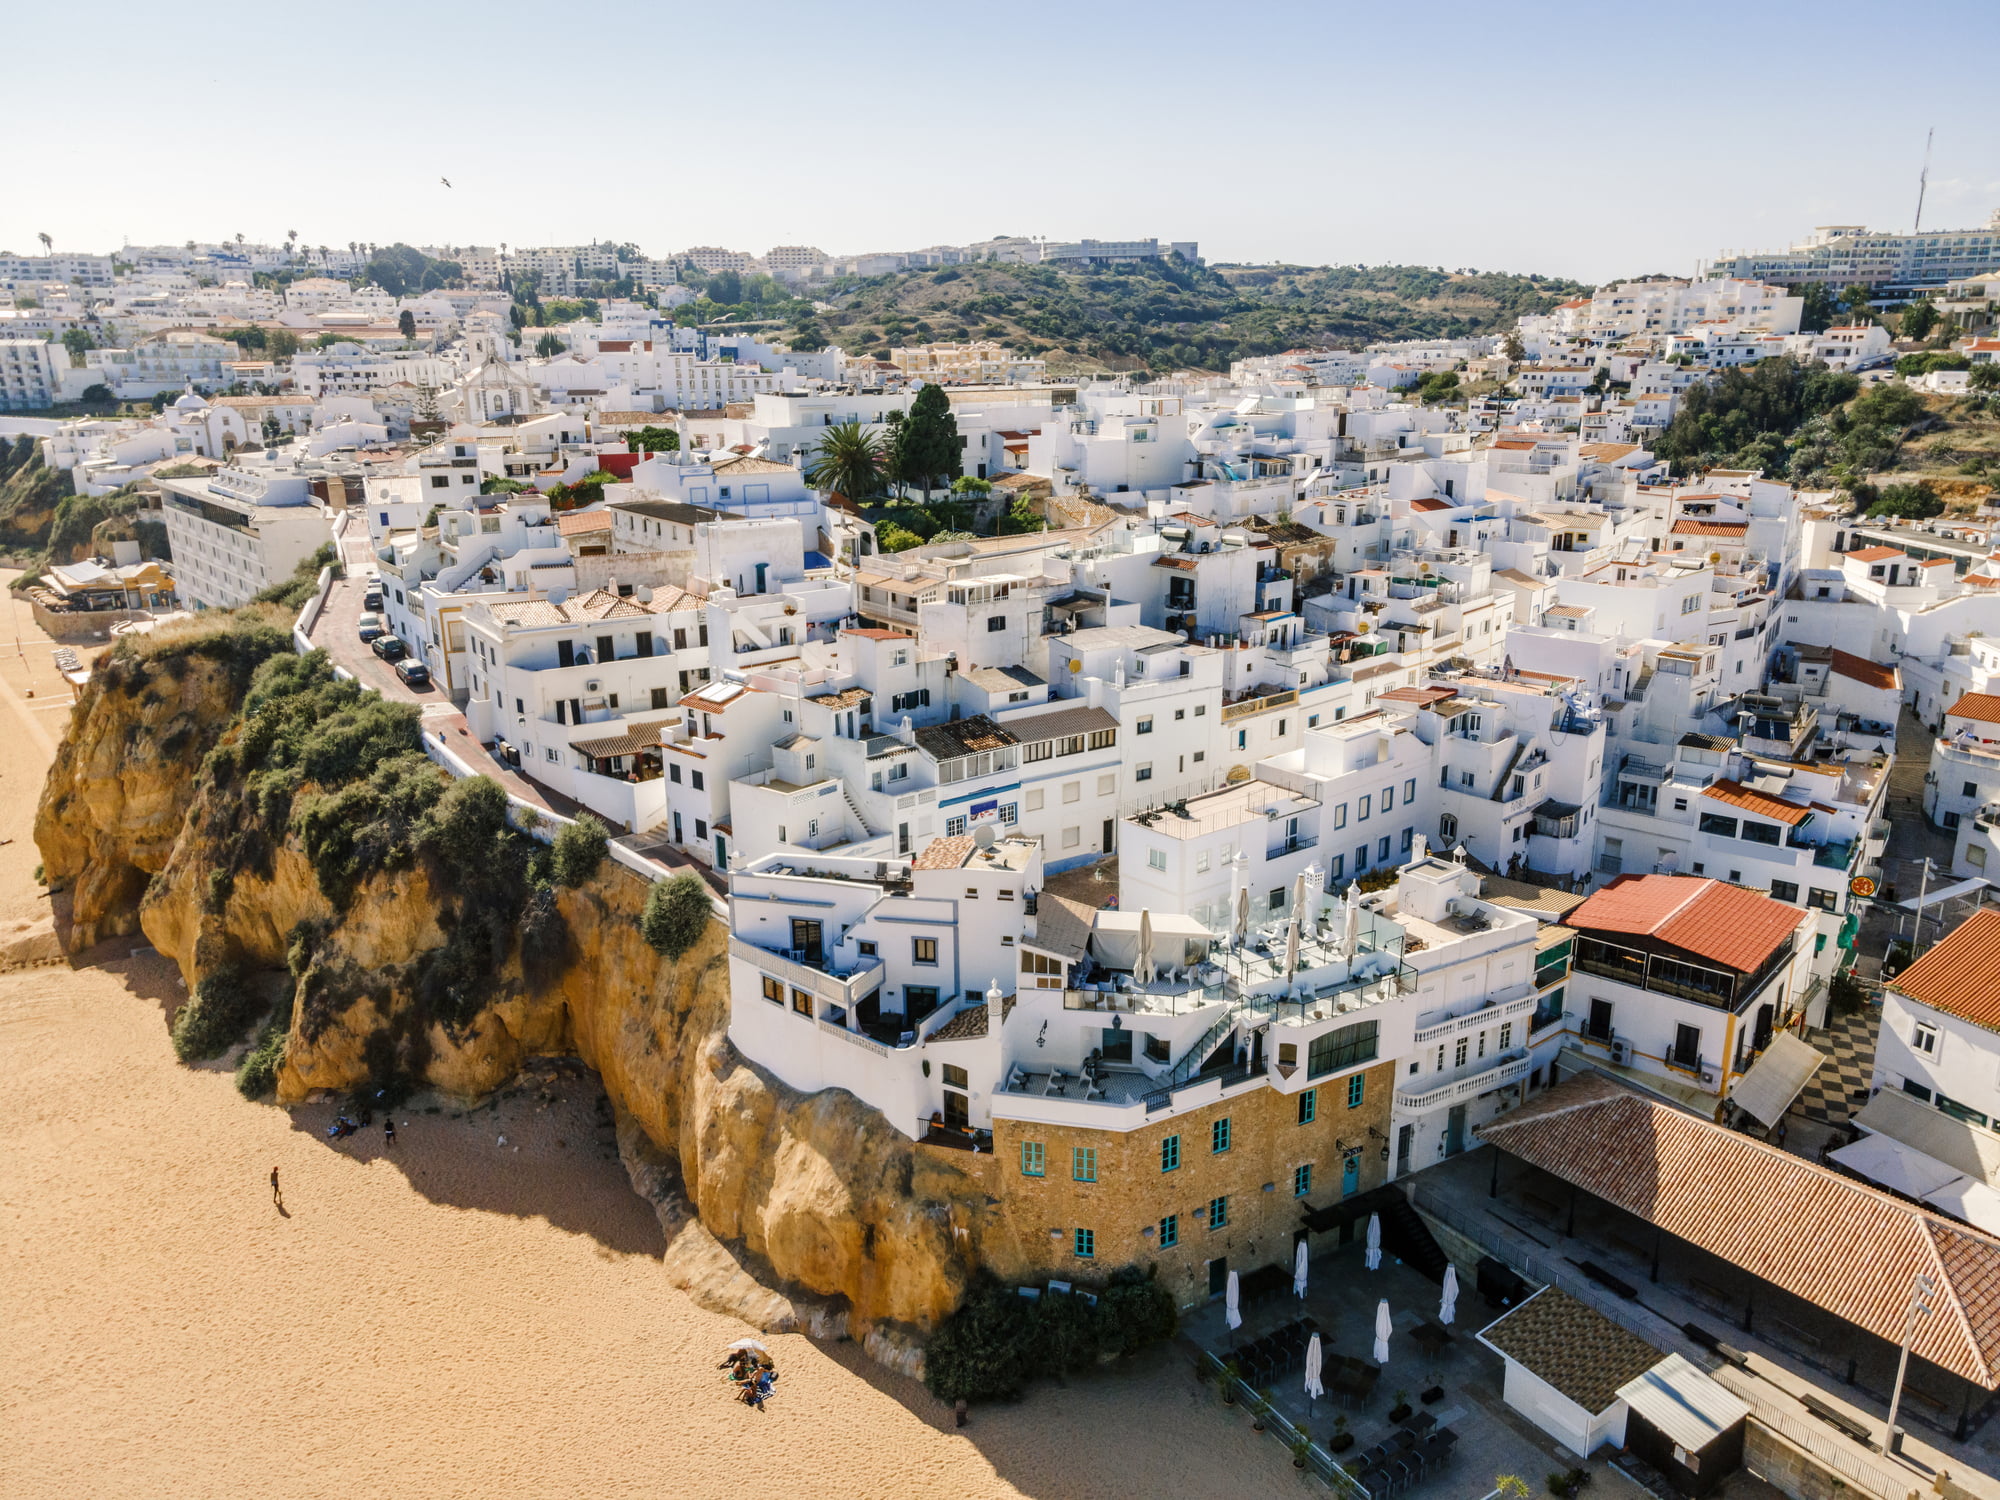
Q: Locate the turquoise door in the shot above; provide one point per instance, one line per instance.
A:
(1350, 1174)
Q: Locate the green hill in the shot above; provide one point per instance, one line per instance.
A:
(1165, 316)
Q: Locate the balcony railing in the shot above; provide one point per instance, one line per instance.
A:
(1147, 1001)
(1496, 1072)
(1291, 845)
(1475, 1020)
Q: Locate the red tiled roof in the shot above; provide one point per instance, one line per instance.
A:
(1689, 526)
(579, 522)
(1961, 974)
(1428, 504)
(1425, 696)
(1981, 707)
(1862, 670)
(1822, 1237)
(1723, 923)
(1873, 554)
(1762, 803)
(945, 854)
(880, 635)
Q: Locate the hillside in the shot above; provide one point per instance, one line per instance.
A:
(1165, 317)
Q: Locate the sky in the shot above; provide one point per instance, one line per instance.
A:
(1587, 141)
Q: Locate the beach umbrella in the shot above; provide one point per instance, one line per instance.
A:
(1383, 1329)
(748, 1344)
(1299, 1269)
(1374, 1242)
(1448, 1309)
(1292, 944)
(1299, 893)
(1231, 1314)
(1351, 937)
(1142, 967)
(1314, 1390)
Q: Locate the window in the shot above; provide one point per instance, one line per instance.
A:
(923, 951)
(802, 1002)
(1820, 900)
(1010, 814)
(1170, 1231)
(867, 948)
(1361, 811)
(1086, 1243)
(700, 825)
(1784, 890)
(1388, 798)
(1156, 859)
(1083, 1163)
(774, 990)
(1101, 739)
(1971, 789)
(1170, 1153)
(1721, 827)
(1308, 1106)
(1410, 790)
(695, 780)
(1145, 725)
(1762, 833)
(1302, 1180)
(1340, 815)
(954, 828)
(1201, 861)
(674, 774)
(1218, 1136)
(1447, 827)
(1924, 1039)
(1072, 791)
(995, 623)
(1145, 771)
(1357, 1088)
(1343, 1048)
(1107, 786)
(1218, 1212)
(1201, 710)
(1033, 1158)
(1336, 868)
(1459, 1052)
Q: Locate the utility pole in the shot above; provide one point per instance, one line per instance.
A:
(1921, 1292)
(1917, 937)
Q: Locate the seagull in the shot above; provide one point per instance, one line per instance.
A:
(445, 180)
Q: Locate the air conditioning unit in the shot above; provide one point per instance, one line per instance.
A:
(593, 686)
(1618, 1053)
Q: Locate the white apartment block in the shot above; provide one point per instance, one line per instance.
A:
(28, 379)
(237, 532)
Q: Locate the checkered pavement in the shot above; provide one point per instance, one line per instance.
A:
(1839, 1089)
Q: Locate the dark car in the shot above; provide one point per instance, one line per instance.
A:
(389, 647)
(372, 599)
(369, 626)
(414, 673)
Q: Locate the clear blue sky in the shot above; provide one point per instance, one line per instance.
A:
(1580, 140)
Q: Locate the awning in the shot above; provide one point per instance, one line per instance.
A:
(1895, 1166)
(1684, 1403)
(1178, 940)
(1774, 1080)
(1960, 1146)
(1970, 1200)
(631, 742)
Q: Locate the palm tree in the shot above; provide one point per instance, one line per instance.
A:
(47, 243)
(848, 462)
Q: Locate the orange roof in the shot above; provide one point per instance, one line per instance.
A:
(880, 635)
(1861, 669)
(945, 854)
(1428, 504)
(577, 522)
(1724, 923)
(1791, 814)
(1842, 1246)
(1421, 695)
(1874, 554)
(1689, 526)
(1982, 707)
(1961, 974)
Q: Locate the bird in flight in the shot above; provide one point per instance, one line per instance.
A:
(445, 180)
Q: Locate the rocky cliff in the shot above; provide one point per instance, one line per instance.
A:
(791, 1210)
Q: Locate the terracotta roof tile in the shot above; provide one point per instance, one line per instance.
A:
(1690, 526)
(945, 854)
(1960, 975)
(1838, 1244)
(1791, 814)
(1982, 707)
(1873, 554)
(1861, 669)
(1723, 923)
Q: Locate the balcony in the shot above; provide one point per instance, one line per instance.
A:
(1483, 1078)
(1291, 845)
(1476, 1020)
(1125, 996)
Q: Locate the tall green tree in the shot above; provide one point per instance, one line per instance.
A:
(281, 343)
(406, 323)
(848, 462)
(77, 342)
(653, 440)
(548, 346)
(927, 449)
(1920, 318)
(1819, 308)
(1856, 299)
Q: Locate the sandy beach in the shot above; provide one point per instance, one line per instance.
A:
(451, 1317)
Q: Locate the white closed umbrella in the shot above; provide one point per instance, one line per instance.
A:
(1292, 945)
(1242, 914)
(1299, 893)
(1374, 1257)
(1314, 1390)
(1351, 936)
(1448, 1308)
(1299, 1269)
(1383, 1328)
(1231, 1313)
(1142, 967)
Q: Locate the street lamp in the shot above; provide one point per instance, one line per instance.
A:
(1921, 1291)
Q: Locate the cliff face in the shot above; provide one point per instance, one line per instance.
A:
(806, 1194)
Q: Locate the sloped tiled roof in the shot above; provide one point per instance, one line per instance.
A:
(1693, 526)
(598, 604)
(1575, 1348)
(1862, 670)
(1724, 923)
(1983, 707)
(1749, 799)
(1836, 1243)
(945, 854)
(1873, 554)
(1961, 975)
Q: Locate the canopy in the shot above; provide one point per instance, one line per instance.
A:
(1899, 1168)
(1178, 940)
(1973, 1151)
(1774, 1080)
(1684, 1403)
(1969, 1199)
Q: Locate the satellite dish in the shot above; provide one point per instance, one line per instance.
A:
(983, 837)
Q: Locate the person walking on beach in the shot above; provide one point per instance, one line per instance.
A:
(277, 1193)
(388, 1132)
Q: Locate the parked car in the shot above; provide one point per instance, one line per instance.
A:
(389, 647)
(373, 598)
(414, 673)
(369, 626)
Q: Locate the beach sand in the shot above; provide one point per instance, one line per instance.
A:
(453, 1317)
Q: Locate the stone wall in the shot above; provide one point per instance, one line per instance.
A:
(1788, 1468)
(1038, 1216)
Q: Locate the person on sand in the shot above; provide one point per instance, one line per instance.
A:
(388, 1132)
(277, 1193)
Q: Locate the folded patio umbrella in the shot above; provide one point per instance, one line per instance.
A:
(1383, 1328)
(1448, 1309)
(1314, 1389)
(1299, 1269)
(1231, 1314)
(1142, 969)
(1374, 1257)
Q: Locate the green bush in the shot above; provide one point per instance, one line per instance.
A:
(677, 913)
(216, 1016)
(998, 1341)
(1916, 501)
(577, 851)
(257, 1074)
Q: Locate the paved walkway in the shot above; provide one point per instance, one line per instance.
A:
(1838, 1090)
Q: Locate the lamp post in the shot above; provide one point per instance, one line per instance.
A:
(1921, 1291)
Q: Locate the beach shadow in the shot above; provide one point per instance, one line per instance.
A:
(146, 972)
(559, 1164)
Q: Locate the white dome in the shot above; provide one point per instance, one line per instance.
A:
(190, 402)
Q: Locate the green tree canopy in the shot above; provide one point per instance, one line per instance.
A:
(847, 462)
(1855, 298)
(1911, 502)
(406, 323)
(654, 440)
(927, 445)
(401, 270)
(1820, 307)
(1920, 318)
(78, 343)
(548, 346)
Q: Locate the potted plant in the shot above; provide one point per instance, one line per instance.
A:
(1401, 1410)
(1342, 1439)
(1301, 1450)
(1260, 1406)
(1432, 1395)
(1569, 1486)
(1232, 1374)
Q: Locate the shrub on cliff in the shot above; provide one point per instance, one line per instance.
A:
(677, 913)
(293, 592)
(577, 852)
(216, 1015)
(257, 1074)
(998, 1341)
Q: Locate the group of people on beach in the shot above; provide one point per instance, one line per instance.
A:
(750, 1372)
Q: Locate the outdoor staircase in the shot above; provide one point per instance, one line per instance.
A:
(1406, 1236)
(854, 811)
(1506, 771)
(1191, 1061)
